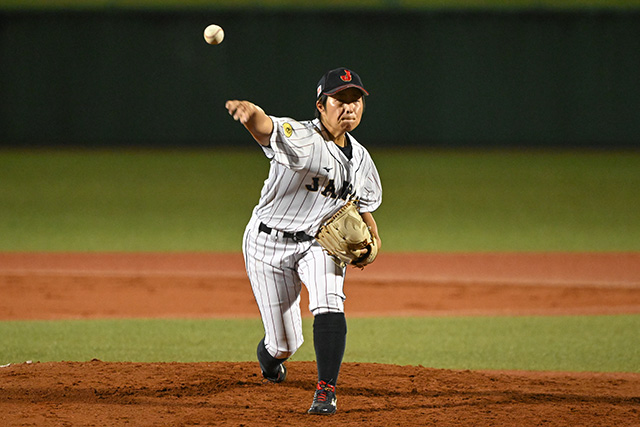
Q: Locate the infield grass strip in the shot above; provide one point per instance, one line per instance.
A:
(558, 343)
(432, 200)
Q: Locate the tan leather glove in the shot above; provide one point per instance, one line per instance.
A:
(347, 238)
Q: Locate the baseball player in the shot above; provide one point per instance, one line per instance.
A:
(316, 167)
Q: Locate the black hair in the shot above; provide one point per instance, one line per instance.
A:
(323, 100)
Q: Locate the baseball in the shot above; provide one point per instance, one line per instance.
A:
(214, 34)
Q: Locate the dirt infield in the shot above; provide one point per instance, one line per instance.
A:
(100, 394)
(57, 286)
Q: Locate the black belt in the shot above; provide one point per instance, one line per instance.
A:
(300, 236)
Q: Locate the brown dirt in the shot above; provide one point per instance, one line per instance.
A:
(57, 286)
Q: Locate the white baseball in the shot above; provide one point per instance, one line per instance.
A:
(213, 34)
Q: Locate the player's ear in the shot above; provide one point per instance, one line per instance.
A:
(319, 108)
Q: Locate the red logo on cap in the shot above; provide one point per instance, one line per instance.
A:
(346, 77)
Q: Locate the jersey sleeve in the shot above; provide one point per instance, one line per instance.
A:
(371, 196)
(290, 143)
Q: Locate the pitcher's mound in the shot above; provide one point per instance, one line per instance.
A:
(107, 394)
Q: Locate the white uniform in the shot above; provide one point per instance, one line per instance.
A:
(309, 180)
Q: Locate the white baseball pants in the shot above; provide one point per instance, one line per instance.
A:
(277, 267)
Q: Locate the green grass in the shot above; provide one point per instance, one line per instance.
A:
(127, 201)
(559, 343)
(433, 200)
(513, 201)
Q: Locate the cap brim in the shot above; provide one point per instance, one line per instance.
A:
(343, 87)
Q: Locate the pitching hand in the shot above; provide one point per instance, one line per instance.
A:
(242, 111)
(253, 118)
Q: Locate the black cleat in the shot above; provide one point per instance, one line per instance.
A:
(281, 376)
(324, 400)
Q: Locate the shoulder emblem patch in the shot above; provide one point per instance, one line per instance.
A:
(288, 130)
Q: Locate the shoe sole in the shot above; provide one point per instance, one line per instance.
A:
(281, 376)
(321, 413)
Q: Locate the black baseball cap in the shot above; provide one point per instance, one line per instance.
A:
(339, 79)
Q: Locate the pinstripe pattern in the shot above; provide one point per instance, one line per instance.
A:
(325, 281)
(287, 204)
(309, 180)
(277, 267)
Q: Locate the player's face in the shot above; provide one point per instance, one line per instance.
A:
(343, 111)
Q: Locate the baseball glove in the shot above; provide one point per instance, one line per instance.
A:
(347, 238)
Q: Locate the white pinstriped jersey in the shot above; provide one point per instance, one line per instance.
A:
(311, 178)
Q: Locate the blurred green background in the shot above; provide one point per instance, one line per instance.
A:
(325, 4)
(441, 74)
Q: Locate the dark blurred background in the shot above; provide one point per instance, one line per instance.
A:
(481, 77)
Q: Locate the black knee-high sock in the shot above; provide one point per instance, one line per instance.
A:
(329, 341)
(268, 363)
